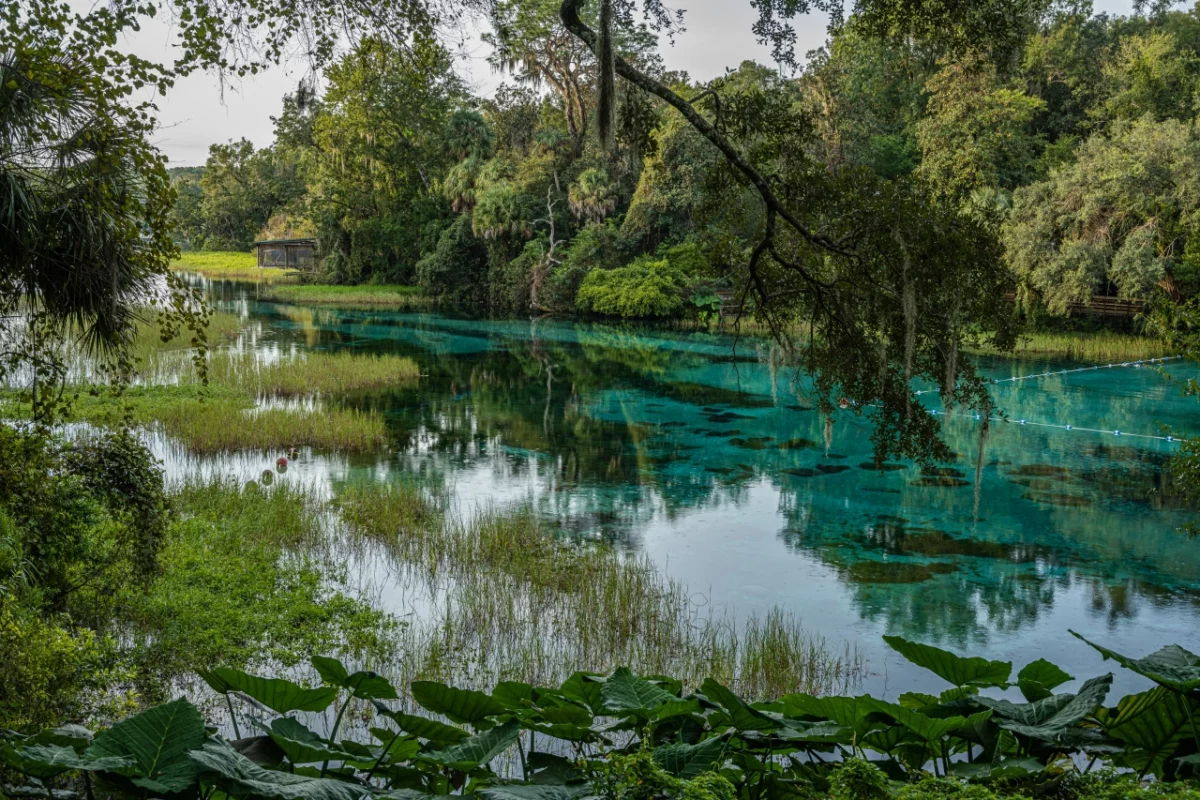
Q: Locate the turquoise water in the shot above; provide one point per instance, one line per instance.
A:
(689, 447)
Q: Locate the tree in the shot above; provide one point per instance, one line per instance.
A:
(592, 196)
(976, 133)
(1126, 214)
(86, 202)
(886, 277)
(530, 41)
(379, 150)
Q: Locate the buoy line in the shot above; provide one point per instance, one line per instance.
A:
(1134, 364)
(1009, 421)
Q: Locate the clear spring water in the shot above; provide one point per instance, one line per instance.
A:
(692, 450)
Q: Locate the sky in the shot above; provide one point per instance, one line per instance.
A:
(201, 110)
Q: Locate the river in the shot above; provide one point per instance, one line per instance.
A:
(691, 448)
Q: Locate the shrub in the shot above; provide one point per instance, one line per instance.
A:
(594, 247)
(457, 267)
(645, 288)
(858, 779)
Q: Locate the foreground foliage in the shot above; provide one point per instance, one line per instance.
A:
(624, 736)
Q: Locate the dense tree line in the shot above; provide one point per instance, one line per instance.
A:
(1077, 146)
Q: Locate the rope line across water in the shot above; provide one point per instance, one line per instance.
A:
(1134, 364)
(995, 381)
(979, 417)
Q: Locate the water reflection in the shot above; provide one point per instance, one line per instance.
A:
(712, 459)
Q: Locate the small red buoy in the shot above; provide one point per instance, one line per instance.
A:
(281, 462)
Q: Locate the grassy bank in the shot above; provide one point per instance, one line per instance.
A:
(228, 265)
(1097, 346)
(247, 404)
(365, 296)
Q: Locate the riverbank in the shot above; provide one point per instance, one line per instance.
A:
(229, 265)
(364, 296)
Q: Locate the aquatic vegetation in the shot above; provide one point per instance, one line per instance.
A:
(220, 425)
(229, 265)
(336, 373)
(242, 580)
(539, 605)
(621, 736)
(1096, 346)
(360, 296)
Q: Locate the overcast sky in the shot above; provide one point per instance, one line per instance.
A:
(198, 112)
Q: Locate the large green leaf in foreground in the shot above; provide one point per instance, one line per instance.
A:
(1153, 722)
(624, 691)
(478, 750)
(222, 766)
(1172, 666)
(461, 705)
(158, 740)
(958, 670)
(277, 694)
(1051, 718)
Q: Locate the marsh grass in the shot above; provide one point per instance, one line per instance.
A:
(1096, 346)
(237, 408)
(223, 420)
(222, 425)
(314, 372)
(222, 329)
(229, 264)
(243, 578)
(511, 599)
(361, 296)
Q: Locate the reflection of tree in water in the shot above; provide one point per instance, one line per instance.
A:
(931, 585)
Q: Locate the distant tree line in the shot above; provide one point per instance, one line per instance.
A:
(1078, 146)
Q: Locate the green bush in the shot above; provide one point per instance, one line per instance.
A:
(645, 288)
(858, 779)
(457, 268)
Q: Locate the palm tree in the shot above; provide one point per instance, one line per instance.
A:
(85, 210)
(501, 213)
(592, 197)
(469, 136)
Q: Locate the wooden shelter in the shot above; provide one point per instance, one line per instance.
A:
(298, 254)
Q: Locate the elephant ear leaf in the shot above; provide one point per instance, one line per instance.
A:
(301, 745)
(424, 727)
(1038, 679)
(464, 706)
(365, 685)
(1152, 724)
(43, 761)
(1172, 666)
(687, 761)
(478, 750)
(743, 717)
(277, 694)
(222, 766)
(624, 691)
(158, 740)
(1052, 719)
(958, 670)
(537, 792)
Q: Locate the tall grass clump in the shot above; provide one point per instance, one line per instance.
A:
(228, 264)
(227, 424)
(362, 296)
(510, 599)
(313, 373)
(1097, 346)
